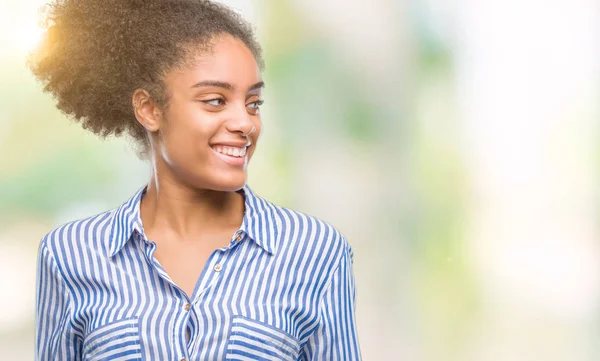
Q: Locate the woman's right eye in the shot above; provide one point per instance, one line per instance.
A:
(215, 102)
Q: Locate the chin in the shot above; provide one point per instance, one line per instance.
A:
(227, 184)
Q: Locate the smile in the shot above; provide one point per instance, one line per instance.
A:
(230, 151)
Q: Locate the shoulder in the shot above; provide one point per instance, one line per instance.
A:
(74, 237)
(298, 229)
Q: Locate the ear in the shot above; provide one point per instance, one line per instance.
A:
(146, 110)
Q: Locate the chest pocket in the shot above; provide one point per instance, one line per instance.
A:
(253, 340)
(116, 341)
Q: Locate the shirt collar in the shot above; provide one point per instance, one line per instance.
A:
(258, 222)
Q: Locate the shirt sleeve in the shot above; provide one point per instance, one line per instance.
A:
(336, 337)
(54, 338)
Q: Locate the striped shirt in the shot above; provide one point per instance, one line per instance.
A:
(283, 289)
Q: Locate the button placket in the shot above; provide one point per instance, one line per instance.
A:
(184, 331)
(214, 266)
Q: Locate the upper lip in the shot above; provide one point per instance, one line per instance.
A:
(233, 144)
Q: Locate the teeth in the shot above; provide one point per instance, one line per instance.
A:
(231, 151)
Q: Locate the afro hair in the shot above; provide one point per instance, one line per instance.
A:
(96, 53)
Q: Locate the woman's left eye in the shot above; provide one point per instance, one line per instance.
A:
(255, 105)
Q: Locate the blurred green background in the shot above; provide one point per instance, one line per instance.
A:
(453, 143)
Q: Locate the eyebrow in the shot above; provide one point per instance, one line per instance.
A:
(228, 86)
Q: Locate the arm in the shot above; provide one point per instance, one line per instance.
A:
(54, 338)
(336, 337)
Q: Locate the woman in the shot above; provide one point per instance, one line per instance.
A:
(194, 266)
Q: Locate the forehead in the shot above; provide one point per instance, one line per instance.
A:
(227, 59)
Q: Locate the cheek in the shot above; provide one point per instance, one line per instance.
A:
(186, 137)
(255, 138)
(256, 134)
(258, 125)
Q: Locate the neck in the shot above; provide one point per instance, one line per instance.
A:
(188, 212)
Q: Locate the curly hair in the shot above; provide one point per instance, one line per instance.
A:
(96, 53)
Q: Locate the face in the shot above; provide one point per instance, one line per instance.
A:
(211, 126)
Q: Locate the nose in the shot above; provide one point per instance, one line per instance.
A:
(240, 122)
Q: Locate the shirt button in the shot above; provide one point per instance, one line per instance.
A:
(238, 237)
(183, 359)
(218, 267)
(187, 306)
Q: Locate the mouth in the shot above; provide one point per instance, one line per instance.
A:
(232, 155)
(237, 152)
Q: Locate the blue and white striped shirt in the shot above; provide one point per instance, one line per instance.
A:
(282, 290)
